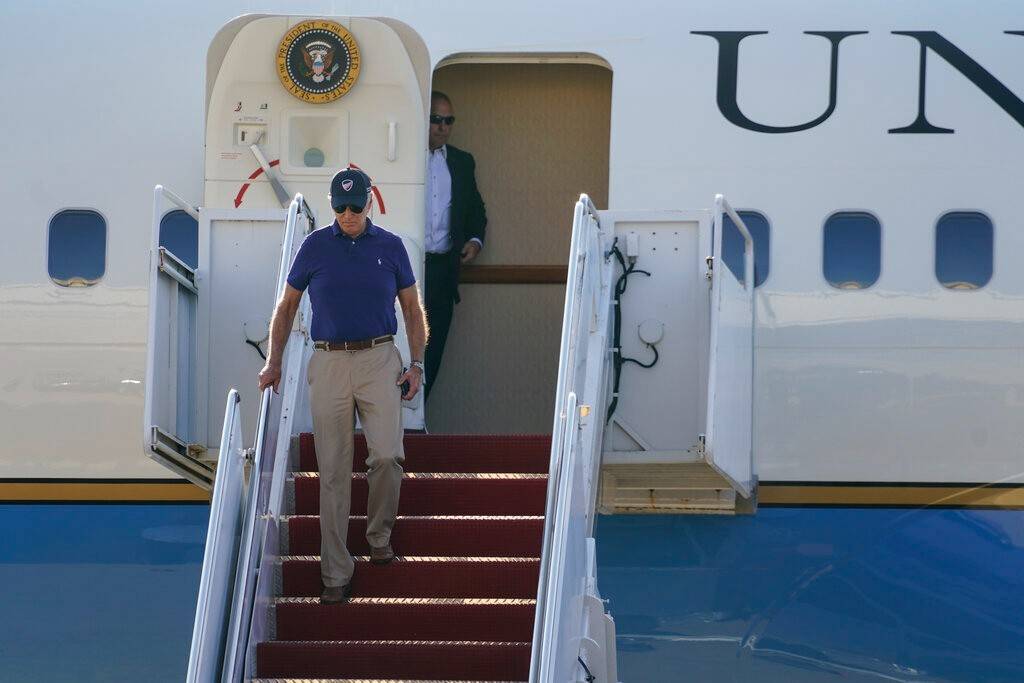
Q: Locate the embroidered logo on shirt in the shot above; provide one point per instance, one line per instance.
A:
(379, 263)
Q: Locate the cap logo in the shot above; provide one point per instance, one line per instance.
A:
(347, 185)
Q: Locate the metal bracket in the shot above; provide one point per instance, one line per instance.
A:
(181, 458)
(177, 270)
(710, 260)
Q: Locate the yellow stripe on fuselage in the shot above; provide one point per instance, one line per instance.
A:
(881, 495)
(875, 495)
(105, 491)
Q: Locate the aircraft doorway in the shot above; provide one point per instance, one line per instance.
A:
(540, 134)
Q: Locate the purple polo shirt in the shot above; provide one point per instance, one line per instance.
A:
(352, 282)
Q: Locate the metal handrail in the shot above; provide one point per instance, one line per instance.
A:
(289, 235)
(559, 529)
(722, 206)
(220, 560)
(251, 548)
(242, 602)
(574, 294)
(161, 191)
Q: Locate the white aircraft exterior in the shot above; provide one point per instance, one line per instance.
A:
(799, 111)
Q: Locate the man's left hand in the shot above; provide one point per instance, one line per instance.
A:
(470, 250)
(415, 378)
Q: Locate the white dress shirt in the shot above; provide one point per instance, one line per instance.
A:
(439, 203)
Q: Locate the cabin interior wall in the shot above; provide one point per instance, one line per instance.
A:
(540, 136)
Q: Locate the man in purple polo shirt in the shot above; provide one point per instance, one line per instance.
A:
(354, 270)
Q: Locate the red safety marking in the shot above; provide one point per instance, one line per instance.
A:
(252, 176)
(256, 174)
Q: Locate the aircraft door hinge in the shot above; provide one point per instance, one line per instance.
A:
(710, 260)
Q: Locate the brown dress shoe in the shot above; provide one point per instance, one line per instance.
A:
(382, 555)
(335, 595)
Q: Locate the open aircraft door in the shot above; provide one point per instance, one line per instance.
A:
(728, 441)
(170, 417)
(208, 330)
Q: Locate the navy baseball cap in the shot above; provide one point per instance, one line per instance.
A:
(350, 186)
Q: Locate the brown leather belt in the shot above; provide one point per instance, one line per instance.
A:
(352, 345)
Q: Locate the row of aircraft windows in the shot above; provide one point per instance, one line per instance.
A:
(852, 255)
(852, 249)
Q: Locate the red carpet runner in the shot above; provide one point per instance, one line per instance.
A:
(457, 604)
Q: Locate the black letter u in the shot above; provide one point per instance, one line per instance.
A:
(728, 66)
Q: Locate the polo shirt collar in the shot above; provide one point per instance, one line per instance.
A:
(371, 229)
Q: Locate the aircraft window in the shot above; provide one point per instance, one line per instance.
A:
(732, 245)
(77, 248)
(179, 234)
(963, 250)
(853, 250)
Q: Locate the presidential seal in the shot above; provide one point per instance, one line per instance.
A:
(318, 61)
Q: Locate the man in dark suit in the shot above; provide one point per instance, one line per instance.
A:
(456, 220)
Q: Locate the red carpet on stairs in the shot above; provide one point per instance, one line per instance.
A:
(458, 602)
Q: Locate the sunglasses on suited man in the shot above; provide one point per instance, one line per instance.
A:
(437, 119)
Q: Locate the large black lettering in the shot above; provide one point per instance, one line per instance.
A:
(975, 73)
(728, 68)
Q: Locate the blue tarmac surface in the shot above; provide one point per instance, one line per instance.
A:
(794, 595)
(98, 592)
(107, 593)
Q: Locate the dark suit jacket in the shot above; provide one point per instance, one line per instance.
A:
(468, 215)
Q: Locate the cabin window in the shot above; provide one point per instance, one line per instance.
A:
(179, 234)
(732, 245)
(963, 250)
(852, 250)
(77, 248)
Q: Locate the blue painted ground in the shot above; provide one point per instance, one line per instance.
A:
(800, 595)
(107, 593)
(98, 592)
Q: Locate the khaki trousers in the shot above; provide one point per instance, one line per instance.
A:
(342, 383)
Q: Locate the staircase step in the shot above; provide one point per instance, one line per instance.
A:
(422, 577)
(399, 660)
(453, 453)
(440, 494)
(489, 620)
(462, 536)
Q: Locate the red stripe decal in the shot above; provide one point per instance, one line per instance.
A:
(252, 176)
(241, 193)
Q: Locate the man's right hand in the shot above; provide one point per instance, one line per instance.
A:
(270, 376)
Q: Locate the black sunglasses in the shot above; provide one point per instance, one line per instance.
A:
(438, 119)
(349, 207)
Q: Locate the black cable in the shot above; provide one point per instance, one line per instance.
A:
(618, 360)
(590, 677)
(256, 345)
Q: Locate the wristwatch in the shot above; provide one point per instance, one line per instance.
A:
(417, 364)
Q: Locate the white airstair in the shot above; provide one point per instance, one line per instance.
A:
(675, 436)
